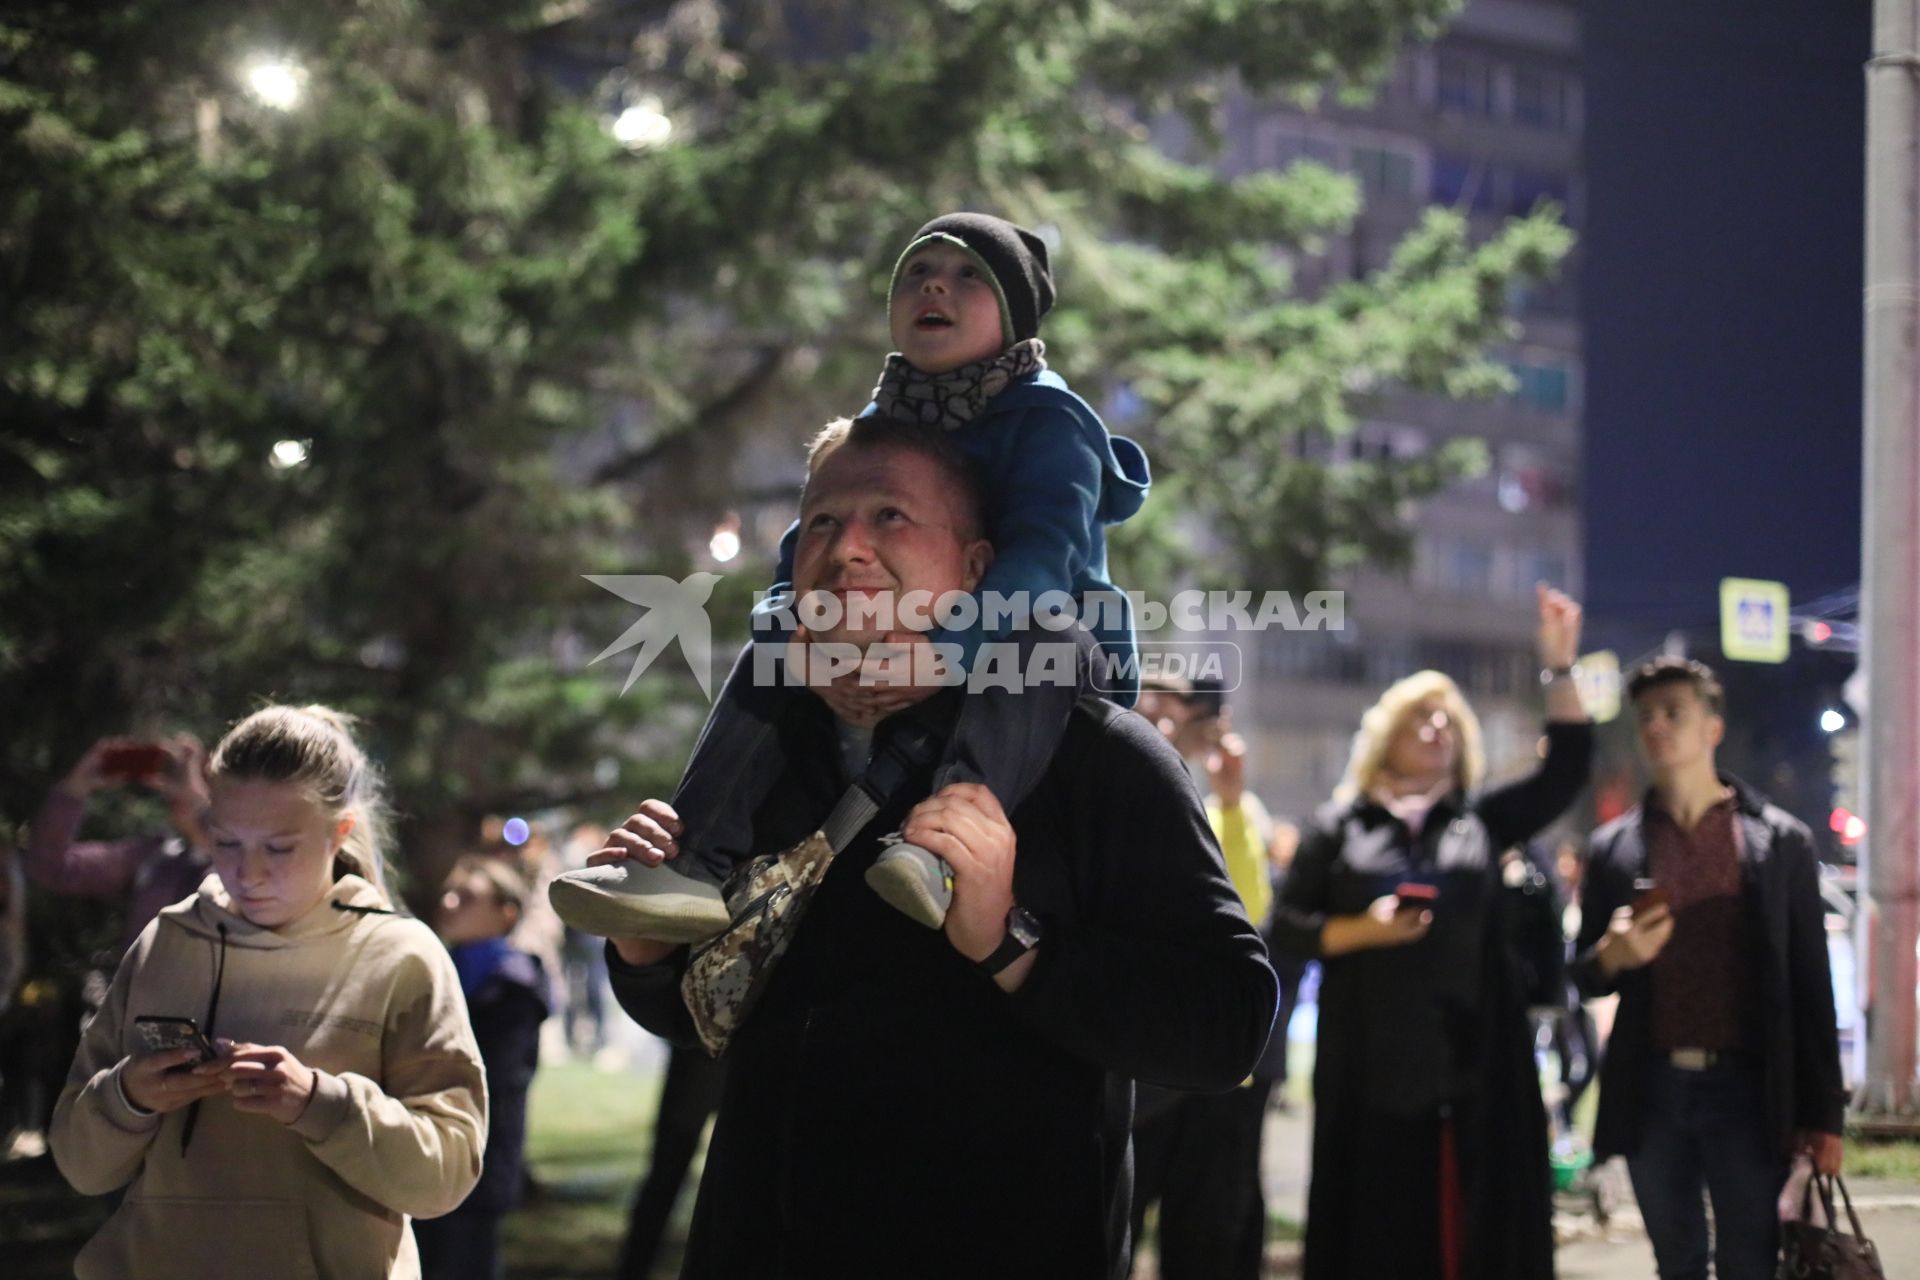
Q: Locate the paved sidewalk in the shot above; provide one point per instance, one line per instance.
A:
(1889, 1211)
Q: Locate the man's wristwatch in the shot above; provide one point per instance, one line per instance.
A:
(1023, 933)
(1549, 674)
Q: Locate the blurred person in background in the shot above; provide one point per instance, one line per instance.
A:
(1576, 1040)
(539, 932)
(689, 1096)
(1197, 1155)
(1429, 1139)
(1701, 907)
(1291, 969)
(138, 874)
(584, 956)
(14, 1060)
(13, 926)
(507, 999)
(147, 872)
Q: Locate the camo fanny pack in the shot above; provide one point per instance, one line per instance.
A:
(766, 899)
(767, 896)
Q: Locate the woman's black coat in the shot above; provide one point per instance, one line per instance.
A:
(1406, 1030)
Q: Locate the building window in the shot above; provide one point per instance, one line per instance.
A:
(1457, 567)
(1540, 99)
(1461, 181)
(1468, 569)
(1465, 86)
(1283, 147)
(1543, 387)
(1539, 566)
(1384, 172)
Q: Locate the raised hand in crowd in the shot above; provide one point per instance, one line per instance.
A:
(1227, 766)
(174, 768)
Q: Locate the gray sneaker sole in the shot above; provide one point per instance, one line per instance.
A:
(661, 910)
(902, 886)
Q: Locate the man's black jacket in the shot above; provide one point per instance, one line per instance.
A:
(1799, 1044)
(890, 1111)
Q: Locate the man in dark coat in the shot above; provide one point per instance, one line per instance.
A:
(957, 1103)
(1701, 907)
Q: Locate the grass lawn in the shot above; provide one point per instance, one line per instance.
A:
(589, 1133)
(1875, 1158)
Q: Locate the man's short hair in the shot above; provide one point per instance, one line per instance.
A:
(932, 443)
(1660, 671)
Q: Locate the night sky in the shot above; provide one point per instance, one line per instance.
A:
(1722, 284)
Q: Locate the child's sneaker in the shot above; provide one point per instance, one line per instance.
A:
(913, 881)
(633, 900)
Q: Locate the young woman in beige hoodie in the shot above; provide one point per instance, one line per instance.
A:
(347, 1093)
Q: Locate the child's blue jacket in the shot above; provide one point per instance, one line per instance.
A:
(1053, 478)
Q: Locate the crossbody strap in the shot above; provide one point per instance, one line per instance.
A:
(905, 752)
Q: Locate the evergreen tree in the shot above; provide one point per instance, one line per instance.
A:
(338, 399)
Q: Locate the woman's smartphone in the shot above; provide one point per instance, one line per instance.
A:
(141, 760)
(1416, 897)
(159, 1034)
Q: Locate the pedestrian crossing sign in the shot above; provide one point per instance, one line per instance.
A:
(1597, 676)
(1753, 620)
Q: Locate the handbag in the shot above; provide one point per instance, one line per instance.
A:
(767, 896)
(1821, 1251)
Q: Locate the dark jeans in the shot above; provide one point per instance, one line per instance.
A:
(1706, 1130)
(1004, 738)
(1577, 1044)
(1199, 1156)
(689, 1096)
(463, 1245)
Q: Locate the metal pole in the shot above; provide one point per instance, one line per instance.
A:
(1890, 607)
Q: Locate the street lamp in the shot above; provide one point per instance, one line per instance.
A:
(725, 543)
(277, 82)
(643, 125)
(1831, 721)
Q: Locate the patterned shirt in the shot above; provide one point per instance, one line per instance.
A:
(1705, 986)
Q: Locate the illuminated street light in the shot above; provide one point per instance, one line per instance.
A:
(278, 83)
(642, 125)
(288, 454)
(1832, 721)
(725, 544)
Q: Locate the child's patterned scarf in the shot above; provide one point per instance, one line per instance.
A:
(955, 398)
